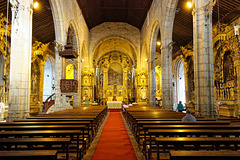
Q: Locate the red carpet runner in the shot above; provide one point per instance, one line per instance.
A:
(114, 143)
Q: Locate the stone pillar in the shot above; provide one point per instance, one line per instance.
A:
(77, 96)
(203, 58)
(167, 86)
(152, 82)
(58, 76)
(20, 60)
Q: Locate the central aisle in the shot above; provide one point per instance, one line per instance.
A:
(114, 143)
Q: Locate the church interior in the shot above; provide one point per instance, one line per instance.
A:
(88, 62)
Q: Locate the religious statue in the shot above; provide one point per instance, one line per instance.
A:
(143, 93)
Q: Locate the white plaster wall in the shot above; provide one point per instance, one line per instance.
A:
(114, 30)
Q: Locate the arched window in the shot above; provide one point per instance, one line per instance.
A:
(181, 83)
(48, 84)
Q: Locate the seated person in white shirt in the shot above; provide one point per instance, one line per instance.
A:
(188, 116)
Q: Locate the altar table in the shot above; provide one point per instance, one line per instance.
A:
(114, 104)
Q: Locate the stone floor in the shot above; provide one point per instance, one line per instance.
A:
(91, 149)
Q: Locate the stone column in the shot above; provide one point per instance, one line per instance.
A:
(167, 86)
(20, 60)
(77, 96)
(151, 83)
(58, 76)
(203, 58)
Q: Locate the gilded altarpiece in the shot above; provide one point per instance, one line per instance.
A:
(115, 80)
(39, 55)
(87, 85)
(226, 69)
(142, 86)
(5, 60)
(158, 77)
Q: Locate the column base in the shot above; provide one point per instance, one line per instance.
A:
(152, 103)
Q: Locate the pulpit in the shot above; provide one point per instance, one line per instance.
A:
(114, 104)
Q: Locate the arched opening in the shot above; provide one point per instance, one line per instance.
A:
(179, 85)
(48, 84)
(181, 96)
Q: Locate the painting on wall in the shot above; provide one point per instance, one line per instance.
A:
(115, 74)
(70, 72)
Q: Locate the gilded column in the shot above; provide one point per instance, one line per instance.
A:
(237, 66)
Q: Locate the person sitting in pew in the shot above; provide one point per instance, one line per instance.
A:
(188, 116)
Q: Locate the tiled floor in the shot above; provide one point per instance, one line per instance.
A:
(90, 151)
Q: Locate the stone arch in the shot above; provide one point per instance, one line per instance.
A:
(97, 56)
(84, 56)
(166, 39)
(76, 40)
(151, 64)
(58, 21)
(179, 82)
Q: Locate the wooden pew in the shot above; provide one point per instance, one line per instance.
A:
(187, 132)
(139, 125)
(29, 155)
(87, 123)
(47, 133)
(81, 128)
(204, 155)
(29, 142)
(179, 142)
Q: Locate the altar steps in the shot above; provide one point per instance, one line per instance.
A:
(114, 110)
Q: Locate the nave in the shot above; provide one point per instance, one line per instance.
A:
(136, 133)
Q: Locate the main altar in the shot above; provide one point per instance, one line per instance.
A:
(114, 104)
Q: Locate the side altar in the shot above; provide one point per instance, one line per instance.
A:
(114, 104)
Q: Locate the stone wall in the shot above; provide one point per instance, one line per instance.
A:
(159, 17)
(63, 18)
